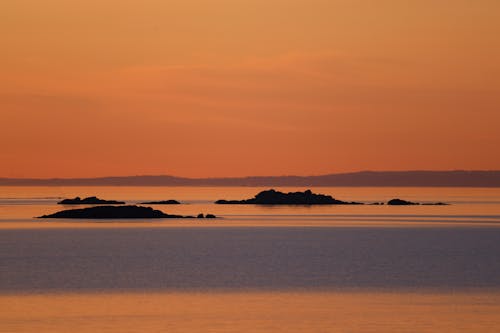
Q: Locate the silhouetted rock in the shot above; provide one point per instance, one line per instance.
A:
(89, 201)
(164, 202)
(399, 202)
(210, 216)
(272, 197)
(200, 216)
(113, 212)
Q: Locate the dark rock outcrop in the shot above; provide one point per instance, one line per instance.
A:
(113, 212)
(272, 197)
(163, 202)
(89, 201)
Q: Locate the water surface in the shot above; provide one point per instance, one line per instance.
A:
(258, 268)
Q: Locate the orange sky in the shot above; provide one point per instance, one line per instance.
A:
(247, 87)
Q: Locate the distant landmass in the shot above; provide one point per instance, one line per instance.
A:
(364, 178)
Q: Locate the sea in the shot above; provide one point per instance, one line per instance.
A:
(339, 268)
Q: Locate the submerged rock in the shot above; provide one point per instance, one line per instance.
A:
(272, 197)
(435, 204)
(112, 212)
(89, 201)
(400, 202)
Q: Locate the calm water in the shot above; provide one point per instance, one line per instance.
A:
(266, 269)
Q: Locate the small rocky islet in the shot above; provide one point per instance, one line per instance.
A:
(98, 201)
(273, 197)
(119, 212)
(162, 202)
(89, 201)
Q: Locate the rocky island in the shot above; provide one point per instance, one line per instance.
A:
(163, 202)
(273, 197)
(89, 201)
(116, 212)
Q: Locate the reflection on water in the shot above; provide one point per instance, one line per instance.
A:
(251, 312)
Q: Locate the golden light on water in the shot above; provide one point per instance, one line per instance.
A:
(252, 312)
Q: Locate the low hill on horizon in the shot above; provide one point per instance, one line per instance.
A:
(457, 178)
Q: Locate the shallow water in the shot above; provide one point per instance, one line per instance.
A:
(257, 268)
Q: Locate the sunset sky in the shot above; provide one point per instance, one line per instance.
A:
(203, 88)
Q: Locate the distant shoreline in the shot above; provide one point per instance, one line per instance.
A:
(354, 179)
